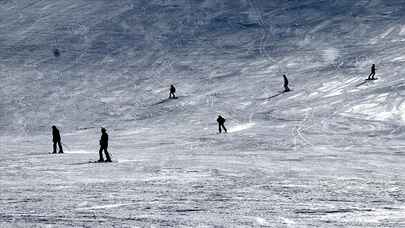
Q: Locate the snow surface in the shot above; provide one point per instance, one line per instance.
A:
(330, 153)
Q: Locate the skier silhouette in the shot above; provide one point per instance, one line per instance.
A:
(104, 146)
(221, 121)
(286, 89)
(56, 140)
(172, 92)
(56, 52)
(372, 74)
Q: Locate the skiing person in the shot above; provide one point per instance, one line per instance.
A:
(286, 89)
(372, 74)
(104, 146)
(221, 121)
(56, 52)
(56, 140)
(172, 92)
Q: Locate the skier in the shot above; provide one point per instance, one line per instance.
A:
(104, 146)
(172, 92)
(372, 74)
(221, 121)
(56, 52)
(286, 89)
(56, 140)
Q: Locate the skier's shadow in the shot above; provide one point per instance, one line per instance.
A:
(80, 163)
(278, 94)
(362, 83)
(274, 96)
(365, 81)
(88, 162)
(164, 101)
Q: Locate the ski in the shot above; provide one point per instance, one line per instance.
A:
(102, 161)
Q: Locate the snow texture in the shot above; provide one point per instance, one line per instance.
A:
(330, 153)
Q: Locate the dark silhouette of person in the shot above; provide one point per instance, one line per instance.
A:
(56, 52)
(286, 89)
(172, 92)
(104, 146)
(372, 74)
(56, 140)
(221, 121)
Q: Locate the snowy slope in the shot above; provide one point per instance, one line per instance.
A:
(329, 152)
(118, 58)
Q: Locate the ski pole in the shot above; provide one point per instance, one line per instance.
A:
(66, 146)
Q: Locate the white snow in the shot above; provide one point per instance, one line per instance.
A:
(108, 206)
(330, 54)
(287, 221)
(78, 151)
(383, 35)
(261, 221)
(241, 127)
(329, 153)
(381, 108)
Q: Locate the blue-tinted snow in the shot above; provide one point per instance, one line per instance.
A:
(328, 153)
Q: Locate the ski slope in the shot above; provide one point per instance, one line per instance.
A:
(327, 154)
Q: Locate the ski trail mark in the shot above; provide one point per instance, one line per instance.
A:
(107, 206)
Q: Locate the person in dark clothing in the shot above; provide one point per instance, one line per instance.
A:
(56, 140)
(372, 74)
(104, 146)
(172, 92)
(286, 89)
(56, 52)
(221, 121)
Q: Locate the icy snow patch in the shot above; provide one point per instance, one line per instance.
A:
(330, 54)
(295, 96)
(371, 110)
(241, 127)
(399, 59)
(287, 221)
(334, 88)
(380, 109)
(126, 160)
(373, 216)
(402, 31)
(108, 206)
(261, 221)
(79, 152)
(402, 111)
(382, 36)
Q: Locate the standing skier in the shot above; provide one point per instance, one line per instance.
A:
(172, 92)
(56, 52)
(104, 146)
(221, 121)
(286, 89)
(56, 140)
(372, 74)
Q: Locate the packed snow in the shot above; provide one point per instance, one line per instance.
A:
(329, 153)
